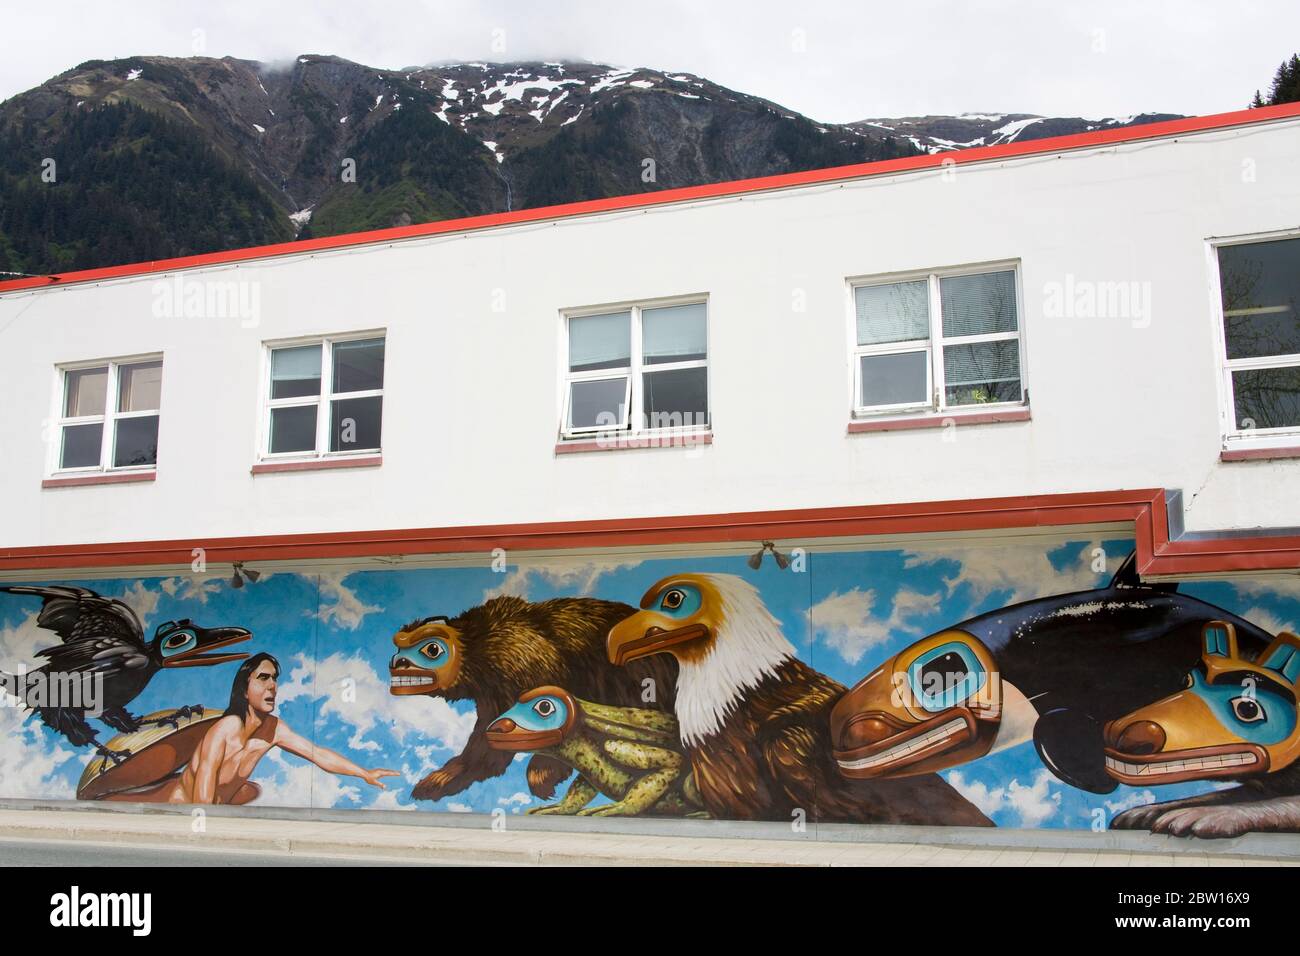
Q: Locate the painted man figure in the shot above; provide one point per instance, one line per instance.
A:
(233, 746)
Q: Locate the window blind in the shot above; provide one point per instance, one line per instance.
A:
(978, 305)
(898, 312)
(600, 341)
(673, 334)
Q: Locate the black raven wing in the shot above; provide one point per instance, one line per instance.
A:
(90, 655)
(77, 614)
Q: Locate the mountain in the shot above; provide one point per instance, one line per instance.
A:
(937, 134)
(149, 157)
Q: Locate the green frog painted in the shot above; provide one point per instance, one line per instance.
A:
(629, 755)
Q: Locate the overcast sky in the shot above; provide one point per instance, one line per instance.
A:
(833, 61)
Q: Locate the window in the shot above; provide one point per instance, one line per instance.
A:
(937, 342)
(325, 397)
(108, 417)
(1259, 288)
(637, 369)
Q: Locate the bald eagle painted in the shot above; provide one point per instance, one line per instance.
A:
(492, 653)
(755, 720)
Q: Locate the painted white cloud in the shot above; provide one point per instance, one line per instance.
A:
(1137, 798)
(191, 588)
(1263, 617)
(519, 799)
(979, 793)
(844, 622)
(1033, 804)
(19, 644)
(294, 782)
(140, 597)
(351, 692)
(576, 577)
(390, 799)
(1025, 572)
(339, 605)
(1277, 585)
(31, 756)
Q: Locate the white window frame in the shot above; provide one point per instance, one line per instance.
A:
(322, 400)
(936, 401)
(1233, 435)
(110, 418)
(634, 422)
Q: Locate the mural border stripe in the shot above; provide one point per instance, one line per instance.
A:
(1145, 508)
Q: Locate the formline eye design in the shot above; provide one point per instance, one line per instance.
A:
(178, 640)
(432, 650)
(544, 708)
(673, 600)
(1248, 710)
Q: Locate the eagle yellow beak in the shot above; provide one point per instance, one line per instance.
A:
(636, 637)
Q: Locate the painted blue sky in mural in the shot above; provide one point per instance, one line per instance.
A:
(332, 635)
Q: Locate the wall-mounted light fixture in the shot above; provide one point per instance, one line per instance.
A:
(756, 559)
(241, 572)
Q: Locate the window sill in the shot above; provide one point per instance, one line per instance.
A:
(862, 426)
(315, 464)
(574, 446)
(1259, 454)
(74, 481)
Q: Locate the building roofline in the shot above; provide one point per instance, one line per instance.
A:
(1160, 553)
(739, 187)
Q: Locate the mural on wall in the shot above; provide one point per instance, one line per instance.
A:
(1007, 684)
(629, 754)
(1234, 720)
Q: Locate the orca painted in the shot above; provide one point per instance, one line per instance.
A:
(1054, 670)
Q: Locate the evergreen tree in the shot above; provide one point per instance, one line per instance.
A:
(1285, 87)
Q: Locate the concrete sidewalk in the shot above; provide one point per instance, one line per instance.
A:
(468, 844)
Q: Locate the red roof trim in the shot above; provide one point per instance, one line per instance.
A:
(1094, 138)
(1145, 508)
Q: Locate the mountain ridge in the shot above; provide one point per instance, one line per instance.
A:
(161, 156)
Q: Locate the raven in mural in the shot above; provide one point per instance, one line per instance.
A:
(103, 640)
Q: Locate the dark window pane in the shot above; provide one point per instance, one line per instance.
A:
(81, 446)
(139, 387)
(677, 398)
(359, 366)
(600, 403)
(982, 373)
(295, 372)
(293, 429)
(1267, 397)
(1260, 284)
(355, 422)
(894, 379)
(136, 442)
(978, 305)
(86, 391)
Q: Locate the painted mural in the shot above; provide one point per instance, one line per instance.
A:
(1025, 685)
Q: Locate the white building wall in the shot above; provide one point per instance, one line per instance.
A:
(473, 397)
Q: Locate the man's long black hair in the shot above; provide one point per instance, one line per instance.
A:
(239, 687)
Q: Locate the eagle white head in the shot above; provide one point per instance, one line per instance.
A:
(724, 638)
